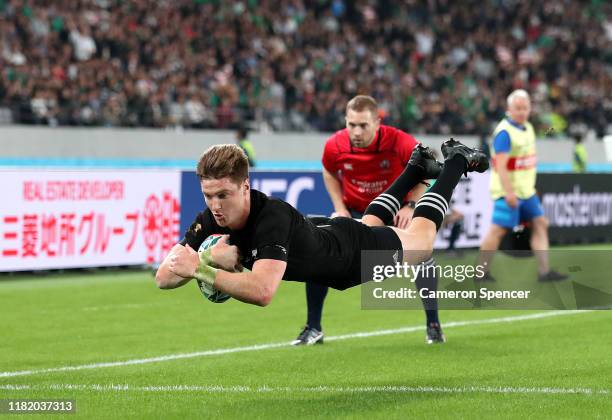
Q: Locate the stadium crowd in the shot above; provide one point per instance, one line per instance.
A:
(437, 66)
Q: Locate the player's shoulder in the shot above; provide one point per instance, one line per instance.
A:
(392, 137)
(277, 212)
(338, 142)
(266, 204)
(275, 204)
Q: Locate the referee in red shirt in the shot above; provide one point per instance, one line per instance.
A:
(359, 163)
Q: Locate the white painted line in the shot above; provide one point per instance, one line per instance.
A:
(119, 306)
(220, 389)
(216, 352)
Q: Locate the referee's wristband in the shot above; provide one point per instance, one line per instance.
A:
(204, 271)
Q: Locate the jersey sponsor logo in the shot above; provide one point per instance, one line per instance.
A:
(370, 187)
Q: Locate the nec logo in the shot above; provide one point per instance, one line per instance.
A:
(279, 187)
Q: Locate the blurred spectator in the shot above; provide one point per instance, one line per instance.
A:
(242, 139)
(580, 156)
(438, 66)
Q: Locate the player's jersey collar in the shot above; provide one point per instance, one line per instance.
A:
(373, 147)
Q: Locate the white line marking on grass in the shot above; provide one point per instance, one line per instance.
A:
(205, 353)
(219, 389)
(119, 306)
(14, 387)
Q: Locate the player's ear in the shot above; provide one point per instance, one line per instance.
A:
(247, 185)
(377, 120)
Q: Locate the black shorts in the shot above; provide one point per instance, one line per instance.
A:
(356, 237)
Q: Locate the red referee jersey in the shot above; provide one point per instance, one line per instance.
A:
(365, 173)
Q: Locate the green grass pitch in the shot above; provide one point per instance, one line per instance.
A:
(172, 354)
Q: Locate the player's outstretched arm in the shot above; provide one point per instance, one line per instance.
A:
(185, 258)
(257, 287)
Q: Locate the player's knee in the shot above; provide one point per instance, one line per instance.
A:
(540, 223)
(422, 229)
(497, 232)
(417, 244)
(415, 257)
(425, 241)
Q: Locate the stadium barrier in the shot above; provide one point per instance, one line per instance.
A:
(37, 146)
(76, 219)
(56, 219)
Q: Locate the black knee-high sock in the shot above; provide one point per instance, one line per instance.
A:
(434, 203)
(427, 279)
(315, 296)
(387, 204)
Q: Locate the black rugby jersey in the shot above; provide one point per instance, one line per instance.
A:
(326, 254)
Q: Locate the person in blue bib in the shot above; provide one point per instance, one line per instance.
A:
(512, 186)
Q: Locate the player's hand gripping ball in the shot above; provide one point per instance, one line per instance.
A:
(210, 292)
